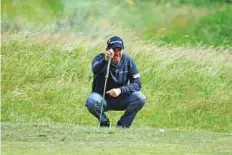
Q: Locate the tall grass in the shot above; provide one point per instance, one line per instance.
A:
(213, 29)
(48, 82)
(47, 51)
(167, 22)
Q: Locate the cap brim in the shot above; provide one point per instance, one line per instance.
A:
(117, 46)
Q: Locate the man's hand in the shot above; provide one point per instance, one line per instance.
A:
(114, 92)
(109, 54)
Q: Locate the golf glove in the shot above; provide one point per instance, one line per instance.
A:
(109, 54)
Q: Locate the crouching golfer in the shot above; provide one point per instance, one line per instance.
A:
(123, 85)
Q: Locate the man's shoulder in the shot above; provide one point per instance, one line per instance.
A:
(99, 55)
(128, 57)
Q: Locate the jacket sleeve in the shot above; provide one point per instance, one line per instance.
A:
(134, 78)
(99, 64)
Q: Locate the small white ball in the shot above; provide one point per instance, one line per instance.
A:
(161, 131)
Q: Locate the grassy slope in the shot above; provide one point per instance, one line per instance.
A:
(170, 22)
(44, 79)
(213, 29)
(70, 139)
(48, 82)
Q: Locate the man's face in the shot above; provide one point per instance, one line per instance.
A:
(117, 55)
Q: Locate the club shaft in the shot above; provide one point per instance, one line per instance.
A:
(104, 91)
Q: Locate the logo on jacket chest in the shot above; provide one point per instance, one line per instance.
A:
(121, 72)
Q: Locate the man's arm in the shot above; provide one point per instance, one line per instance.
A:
(135, 85)
(99, 64)
(134, 78)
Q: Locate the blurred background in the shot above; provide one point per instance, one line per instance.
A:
(163, 21)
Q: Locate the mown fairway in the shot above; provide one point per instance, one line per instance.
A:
(66, 139)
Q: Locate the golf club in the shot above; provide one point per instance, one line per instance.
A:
(104, 91)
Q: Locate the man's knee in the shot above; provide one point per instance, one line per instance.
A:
(140, 98)
(94, 101)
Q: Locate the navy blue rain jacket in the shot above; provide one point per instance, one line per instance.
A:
(124, 75)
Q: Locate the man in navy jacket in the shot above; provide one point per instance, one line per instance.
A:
(123, 85)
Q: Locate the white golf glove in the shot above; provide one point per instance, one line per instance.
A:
(109, 54)
(114, 92)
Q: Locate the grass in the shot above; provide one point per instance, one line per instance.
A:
(213, 29)
(70, 139)
(49, 82)
(183, 52)
(183, 22)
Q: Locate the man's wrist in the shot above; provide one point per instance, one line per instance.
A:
(120, 91)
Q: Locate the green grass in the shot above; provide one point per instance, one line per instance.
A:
(42, 139)
(182, 50)
(213, 29)
(179, 23)
(49, 82)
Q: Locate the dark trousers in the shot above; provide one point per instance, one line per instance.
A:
(130, 103)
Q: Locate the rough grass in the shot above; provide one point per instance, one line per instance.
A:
(168, 22)
(49, 82)
(213, 29)
(59, 139)
(46, 52)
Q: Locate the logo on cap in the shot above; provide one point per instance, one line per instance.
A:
(116, 41)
